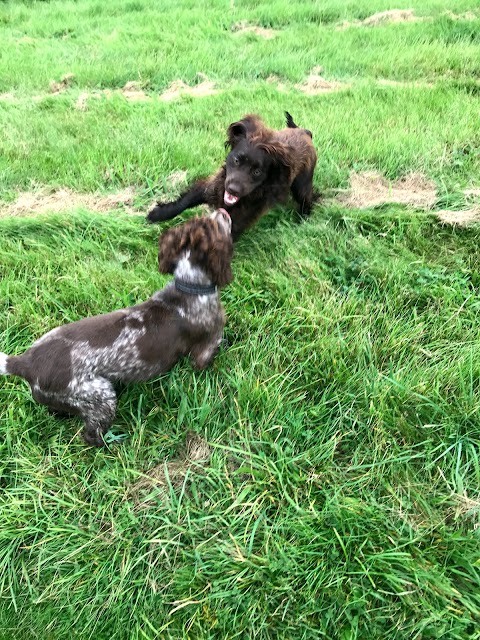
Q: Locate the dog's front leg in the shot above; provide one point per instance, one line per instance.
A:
(204, 353)
(194, 196)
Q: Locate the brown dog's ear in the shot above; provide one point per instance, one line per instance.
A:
(219, 260)
(170, 246)
(241, 129)
(280, 153)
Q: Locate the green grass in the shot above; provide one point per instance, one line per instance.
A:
(342, 495)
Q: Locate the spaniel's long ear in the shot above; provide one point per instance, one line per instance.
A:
(170, 246)
(219, 260)
(241, 129)
(279, 152)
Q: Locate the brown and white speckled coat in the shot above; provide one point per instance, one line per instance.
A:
(72, 368)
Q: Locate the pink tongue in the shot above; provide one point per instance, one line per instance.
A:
(229, 199)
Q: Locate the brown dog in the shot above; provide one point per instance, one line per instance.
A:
(260, 170)
(72, 368)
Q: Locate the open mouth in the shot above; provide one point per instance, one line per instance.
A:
(230, 199)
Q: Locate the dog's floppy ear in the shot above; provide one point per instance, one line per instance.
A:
(241, 129)
(170, 246)
(219, 260)
(280, 152)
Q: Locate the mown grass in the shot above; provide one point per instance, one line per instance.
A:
(342, 495)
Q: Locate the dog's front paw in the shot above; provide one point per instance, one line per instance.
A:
(93, 437)
(159, 213)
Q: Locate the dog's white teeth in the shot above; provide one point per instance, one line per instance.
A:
(229, 198)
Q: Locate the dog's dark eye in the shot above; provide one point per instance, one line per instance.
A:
(236, 160)
(257, 172)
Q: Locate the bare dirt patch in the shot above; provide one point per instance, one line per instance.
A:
(31, 203)
(459, 218)
(133, 92)
(316, 84)
(63, 85)
(178, 88)
(472, 194)
(196, 454)
(262, 32)
(371, 189)
(82, 100)
(382, 18)
(392, 15)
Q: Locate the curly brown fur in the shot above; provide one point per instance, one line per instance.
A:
(72, 368)
(261, 169)
(206, 244)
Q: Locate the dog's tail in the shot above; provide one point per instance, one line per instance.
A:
(3, 364)
(291, 124)
(14, 366)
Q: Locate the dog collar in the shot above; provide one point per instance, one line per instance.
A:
(195, 289)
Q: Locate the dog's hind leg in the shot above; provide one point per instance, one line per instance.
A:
(302, 191)
(97, 402)
(94, 400)
(194, 196)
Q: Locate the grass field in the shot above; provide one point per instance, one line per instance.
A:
(322, 478)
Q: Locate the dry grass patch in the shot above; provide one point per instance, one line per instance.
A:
(177, 177)
(461, 218)
(371, 189)
(472, 194)
(468, 15)
(381, 18)
(466, 509)
(178, 88)
(392, 15)
(83, 98)
(30, 203)
(262, 32)
(63, 85)
(195, 454)
(133, 92)
(316, 83)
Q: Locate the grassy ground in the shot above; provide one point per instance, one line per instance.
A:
(341, 495)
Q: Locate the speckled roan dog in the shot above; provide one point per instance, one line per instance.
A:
(72, 368)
